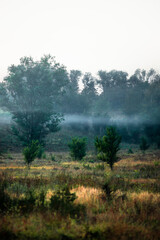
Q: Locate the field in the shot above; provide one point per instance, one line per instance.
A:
(58, 198)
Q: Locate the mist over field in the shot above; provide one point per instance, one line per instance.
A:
(39, 98)
(112, 118)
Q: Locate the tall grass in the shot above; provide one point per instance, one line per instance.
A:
(34, 204)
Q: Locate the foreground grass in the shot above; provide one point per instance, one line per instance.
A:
(129, 210)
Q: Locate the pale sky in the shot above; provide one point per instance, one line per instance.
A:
(87, 35)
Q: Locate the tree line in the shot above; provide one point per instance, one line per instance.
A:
(39, 94)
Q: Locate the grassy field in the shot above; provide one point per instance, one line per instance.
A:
(63, 199)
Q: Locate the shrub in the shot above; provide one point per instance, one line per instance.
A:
(114, 183)
(30, 152)
(77, 148)
(62, 201)
(17, 188)
(108, 146)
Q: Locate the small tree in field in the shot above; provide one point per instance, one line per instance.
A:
(108, 146)
(144, 145)
(77, 148)
(31, 151)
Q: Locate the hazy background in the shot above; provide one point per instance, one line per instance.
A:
(83, 34)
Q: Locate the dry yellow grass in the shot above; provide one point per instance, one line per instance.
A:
(73, 163)
(87, 195)
(31, 168)
(145, 197)
(130, 162)
(49, 194)
(143, 180)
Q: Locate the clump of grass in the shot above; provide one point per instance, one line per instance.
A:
(100, 166)
(89, 196)
(52, 157)
(87, 166)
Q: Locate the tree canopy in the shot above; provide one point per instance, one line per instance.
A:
(30, 92)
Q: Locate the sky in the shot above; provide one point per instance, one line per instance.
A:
(86, 35)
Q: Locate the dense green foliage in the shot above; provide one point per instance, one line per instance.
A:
(30, 93)
(31, 151)
(108, 146)
(77, 148)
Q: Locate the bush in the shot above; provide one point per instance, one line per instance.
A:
(108, 146)
(17, 188)
(30, 152)
(77, 148)
(114, 183)
(62, 201)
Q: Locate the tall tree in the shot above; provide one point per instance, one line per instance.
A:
(31, 90)
(89, 93)
(113, 86)
(71, 102)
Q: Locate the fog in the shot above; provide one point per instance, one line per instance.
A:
(5, 118)
(69, 119)
(112, 118)
(36, 95)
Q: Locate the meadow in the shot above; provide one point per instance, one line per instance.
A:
(58, 198)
